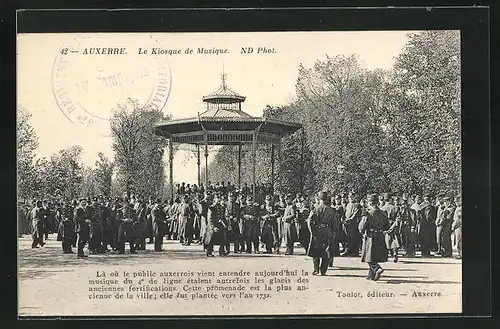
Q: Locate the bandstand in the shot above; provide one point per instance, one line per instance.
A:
(225, 123)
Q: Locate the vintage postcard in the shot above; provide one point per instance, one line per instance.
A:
(262, 173)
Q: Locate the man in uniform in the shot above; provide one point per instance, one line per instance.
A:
(149, 220)
(215, 233)
(392, 235)
(440, 206)
(426, 217)
(456, 226)
(251, 228)
(289, 233)
(408, 218)
(82, 226)
(320, 222)
(269, 234)
(126, 219)
(140, 224)
(233, 217)
(186, 219)
(302, 228)
(114, 223)
(159, 222)
(372, 227)
(351, 221)
(66, 231)
(96, 216)
(203, 212)
(37, 220)
(448, 213)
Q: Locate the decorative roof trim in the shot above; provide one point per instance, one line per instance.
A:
(232, 119)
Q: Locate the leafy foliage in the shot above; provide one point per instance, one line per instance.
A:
(27, 143)
(396, 130)
(138, 151)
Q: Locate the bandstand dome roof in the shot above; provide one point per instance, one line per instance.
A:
(224, 116)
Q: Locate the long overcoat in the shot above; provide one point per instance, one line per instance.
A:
(126, 219)
(269, 233)
(233, 218)
(159, 221)
(372, 226)
(251, 228)
(215, 233)
(289, 233)
(319, 223)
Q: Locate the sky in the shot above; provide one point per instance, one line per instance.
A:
(70, 94)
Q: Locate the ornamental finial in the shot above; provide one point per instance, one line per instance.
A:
(223, 77)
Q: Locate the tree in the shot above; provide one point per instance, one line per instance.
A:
(138, 150)
(426, 115)
(61, 174)
(27, 143)
(103, 173)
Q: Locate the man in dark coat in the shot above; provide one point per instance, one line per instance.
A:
(233, 218)
(302, 227)
(372, 226)
(159, 221)
(37, 223)
(333, 249)
(408, 219)
(426, 216)
(126, 233)
(269, 234)
(448, 212)
(319, 223)
(66, 231)
(289, 233)
(140, 224)
(251, 213)
(82, 226)
(351, 221)
(96, 216)
(215, 233)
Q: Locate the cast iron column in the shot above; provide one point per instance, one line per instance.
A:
(198, 162)
(171, 166)
(239, 167)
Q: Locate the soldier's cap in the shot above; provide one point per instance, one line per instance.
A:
(387, 196)
(82, 199)
(427, 195)
(372, 198)
(446, 198)
(289, 196)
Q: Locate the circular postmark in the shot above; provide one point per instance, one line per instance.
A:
(93, 74)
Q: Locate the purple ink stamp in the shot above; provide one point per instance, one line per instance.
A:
(93, 73)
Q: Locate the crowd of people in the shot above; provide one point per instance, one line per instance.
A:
(326, 225)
